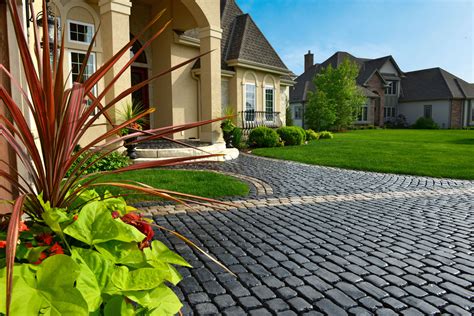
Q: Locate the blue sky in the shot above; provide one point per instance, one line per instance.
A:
(417, 33)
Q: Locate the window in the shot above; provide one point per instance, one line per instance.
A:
(250, 92)
(224, 96)
(298, 112)
(269, 103)
(471, 106)
(80, 32)
(428, 111)
(77, 58)
(391, 89)
(363, 113)
(389, 112)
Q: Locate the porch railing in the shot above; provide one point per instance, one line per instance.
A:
(253, 119)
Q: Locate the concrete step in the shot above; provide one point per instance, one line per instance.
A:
(179, 152)
(228, 154)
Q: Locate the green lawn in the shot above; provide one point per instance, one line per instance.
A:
(435, 153)
(201, 183)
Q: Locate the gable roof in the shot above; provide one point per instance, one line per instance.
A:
(367, 68)
(434, 84)
(243, 41)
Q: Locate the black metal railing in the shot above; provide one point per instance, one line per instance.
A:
(252, 119)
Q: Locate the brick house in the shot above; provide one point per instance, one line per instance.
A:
(390, 92)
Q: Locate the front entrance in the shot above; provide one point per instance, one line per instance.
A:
(141, 97)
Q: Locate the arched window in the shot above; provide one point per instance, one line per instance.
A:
(134, 50)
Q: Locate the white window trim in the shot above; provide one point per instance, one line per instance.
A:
(361, 111)
(92, 55)
(79, 23)
(245, 98)
(391, 87)
(265, 88)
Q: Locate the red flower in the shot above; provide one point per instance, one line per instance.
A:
(23, 227)
(75, 217)
(3, 244)
(130, 218)
(42, 256)
(56, 249)
(115, 214)
(45, 238)
(136, 221)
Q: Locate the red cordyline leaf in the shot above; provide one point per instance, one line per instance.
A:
(12, 239)
(62, 118)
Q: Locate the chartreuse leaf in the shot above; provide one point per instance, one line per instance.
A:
(164, 254)
(169, 272)
(121, 252)
(53, 217)
(136, 280)
(159, 301)
(118, 306)
(95, 225)
(95, 274)
(49, 290)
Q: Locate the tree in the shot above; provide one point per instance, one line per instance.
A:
(337, 99)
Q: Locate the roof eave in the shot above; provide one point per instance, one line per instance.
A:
(257, 66)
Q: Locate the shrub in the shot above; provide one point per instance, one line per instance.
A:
(112, 161)
(399, 122)
(263, 137)
(425, 123)
(237, 137)
(291, 135)
(326, 135)
(311, 135)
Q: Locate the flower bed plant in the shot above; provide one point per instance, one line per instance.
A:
(65, 250)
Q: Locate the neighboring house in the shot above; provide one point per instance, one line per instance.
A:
(436, 93)
(391, 92)
(241, 68)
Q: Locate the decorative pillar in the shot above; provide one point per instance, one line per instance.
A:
(5, 151)
(211, 82)
(115, 31)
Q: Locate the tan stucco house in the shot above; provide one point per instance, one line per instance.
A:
(242, 70)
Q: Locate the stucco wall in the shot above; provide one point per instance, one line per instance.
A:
(414, 110)
(260, 79)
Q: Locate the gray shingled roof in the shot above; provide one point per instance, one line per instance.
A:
(304, 82)
(434, 84)
(242, 39)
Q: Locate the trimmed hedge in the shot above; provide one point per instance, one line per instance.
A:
(292, 135)
(263, 137)
(311, 135)
(326, 135)
(425, 123)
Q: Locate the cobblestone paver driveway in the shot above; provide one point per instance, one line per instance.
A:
(329, 241)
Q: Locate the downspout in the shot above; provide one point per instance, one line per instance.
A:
(199, 104)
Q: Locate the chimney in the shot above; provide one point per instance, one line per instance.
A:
(308, 60)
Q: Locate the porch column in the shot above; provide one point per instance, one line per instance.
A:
(211, 82)
(115, 31)
(5, 151)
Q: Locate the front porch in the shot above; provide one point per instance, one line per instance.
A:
(249, 120)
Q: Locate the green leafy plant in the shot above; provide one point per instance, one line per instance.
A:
(326, 135)
(311, 135)
(263, 137)
(110, 162)
(292, 135)
(130, 111)
(425, 123)
(78, 252)
(237, 137)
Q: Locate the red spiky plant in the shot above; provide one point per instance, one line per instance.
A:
(62, 117)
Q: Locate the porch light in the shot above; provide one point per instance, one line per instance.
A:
(51, 20)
